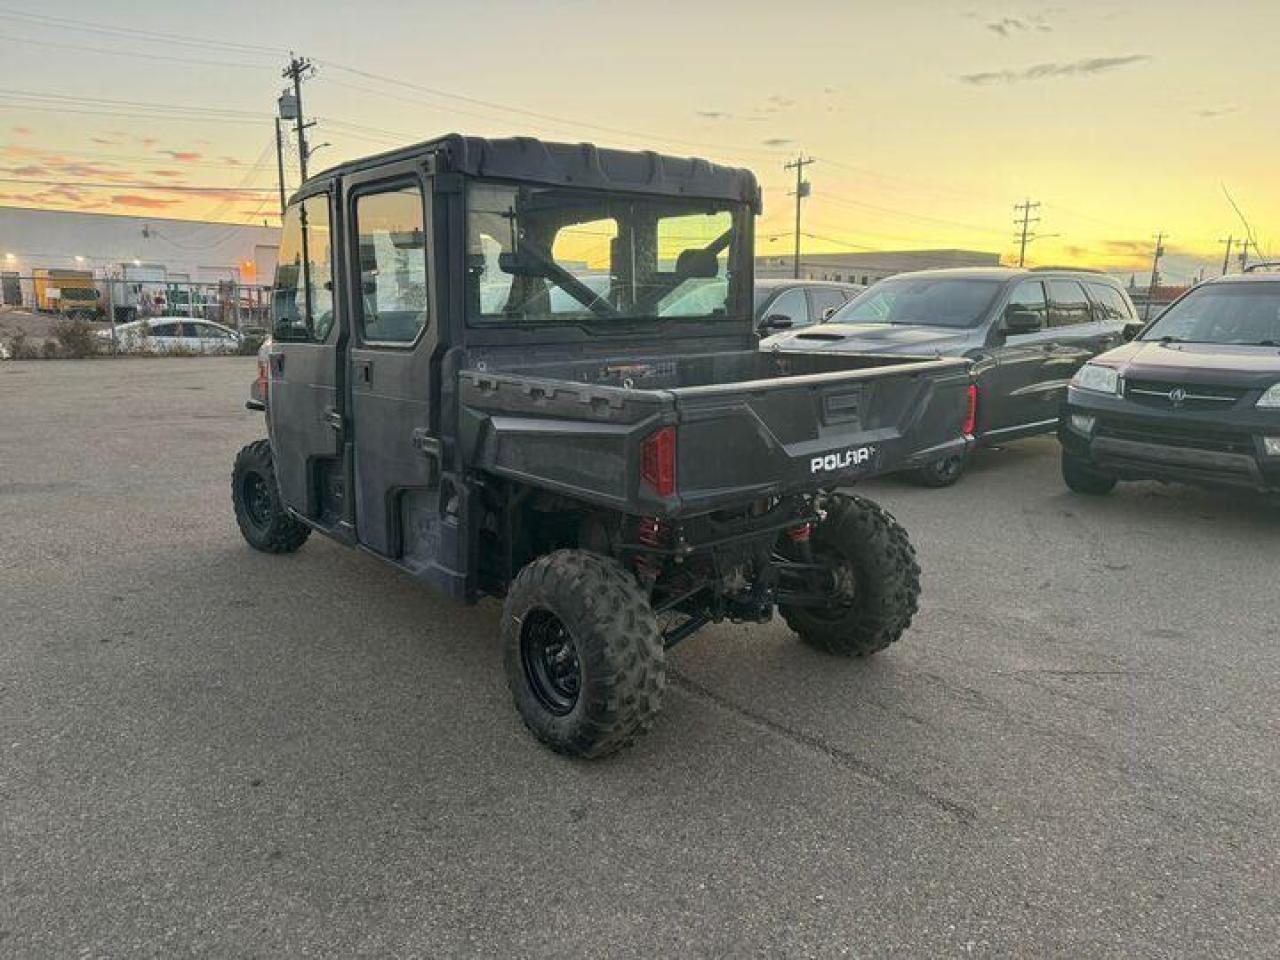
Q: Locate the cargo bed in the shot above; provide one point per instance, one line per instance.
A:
(747, 424)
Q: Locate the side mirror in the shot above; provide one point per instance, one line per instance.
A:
(828, 313)
(777, 321)
(1131, 330)
(1020, 319)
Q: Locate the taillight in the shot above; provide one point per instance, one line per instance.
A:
(260, 386)
(658, 461)
(971, 414)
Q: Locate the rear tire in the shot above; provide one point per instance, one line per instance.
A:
(943, 472)
(260, 513)
(864, 543)
(582, 652)
(1085, 479)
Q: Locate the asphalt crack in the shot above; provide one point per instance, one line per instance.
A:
(954, 810)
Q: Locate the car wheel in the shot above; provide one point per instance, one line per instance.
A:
(1083, 478)
(942, 472)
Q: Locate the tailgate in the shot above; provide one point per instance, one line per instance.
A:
(739, 441)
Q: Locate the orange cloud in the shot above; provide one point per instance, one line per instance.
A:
(23, 131)
(134, 200)
(183, 156)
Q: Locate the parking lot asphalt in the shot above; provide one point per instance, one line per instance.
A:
(209, 751)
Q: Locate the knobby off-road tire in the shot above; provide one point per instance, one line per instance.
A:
(263, 519)
(577, 612)
(1080, 477)
(872, 546)
(943, 472)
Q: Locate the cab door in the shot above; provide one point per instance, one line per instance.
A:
(390, 361)
(304, 405)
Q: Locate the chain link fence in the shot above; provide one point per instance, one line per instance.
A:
(240, 306)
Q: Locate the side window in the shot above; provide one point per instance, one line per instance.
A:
(1030, 296)
(302, 295)
(1110, 303)
(791, 305)
(166, 330)
(825, 301)
(1068, 304)
(393, 265)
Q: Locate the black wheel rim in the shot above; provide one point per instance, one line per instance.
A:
(550, 660)
(257, 500)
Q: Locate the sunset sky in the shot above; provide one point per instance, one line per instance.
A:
(929, 120)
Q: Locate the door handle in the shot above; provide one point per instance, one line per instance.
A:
(363, 371)
(333, 417)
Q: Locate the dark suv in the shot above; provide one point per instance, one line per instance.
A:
(1196, 398)
(1027, 332)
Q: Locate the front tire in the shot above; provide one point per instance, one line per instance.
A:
(1082, 478)
(582, 652)
(874, 568)
(260, 513)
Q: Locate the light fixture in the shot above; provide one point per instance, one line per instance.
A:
(79, 259)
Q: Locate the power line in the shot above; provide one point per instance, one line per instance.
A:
(130, 54)
(125, 185)
(133, 33)
(507, 108)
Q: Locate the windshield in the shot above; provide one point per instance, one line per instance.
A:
(923, 301)
(540, 255)
(1239, 313)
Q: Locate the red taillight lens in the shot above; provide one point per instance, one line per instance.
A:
(259, 391)
(971, 414)
(658, 461)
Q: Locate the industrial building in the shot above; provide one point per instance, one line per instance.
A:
(112, 247)
(867, 268)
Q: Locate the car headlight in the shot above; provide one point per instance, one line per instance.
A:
(1099, 379)
(1271, 399)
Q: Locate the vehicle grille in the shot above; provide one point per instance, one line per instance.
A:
(1182, 396)
(1188, 437)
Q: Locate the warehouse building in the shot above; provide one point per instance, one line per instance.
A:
(867, 268)
(112, 246)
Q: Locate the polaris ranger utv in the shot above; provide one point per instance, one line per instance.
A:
(528, 371)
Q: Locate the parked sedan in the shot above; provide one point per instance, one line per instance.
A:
(173, 335)
(1027, 331)
(792, 304)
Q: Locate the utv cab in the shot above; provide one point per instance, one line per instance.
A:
(486, 369)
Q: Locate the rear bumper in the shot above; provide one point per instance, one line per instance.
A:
(1131, 442)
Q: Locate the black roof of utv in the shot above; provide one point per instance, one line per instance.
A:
(528, 159)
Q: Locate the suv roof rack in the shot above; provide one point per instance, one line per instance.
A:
(1072, 269)
(1261, 265)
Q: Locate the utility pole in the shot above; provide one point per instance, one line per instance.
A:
(279, 163)
(802, 191)
(1244, 253)
(1226, 257)
(1026, 208)
(1155, 271)
(298, 68)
